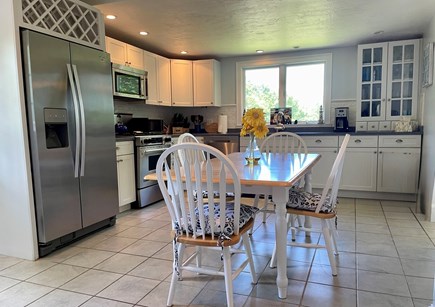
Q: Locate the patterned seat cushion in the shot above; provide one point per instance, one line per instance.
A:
(299, 199)
(246, 213)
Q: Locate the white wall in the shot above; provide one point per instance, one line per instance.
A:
(17, 216)
(426, 193)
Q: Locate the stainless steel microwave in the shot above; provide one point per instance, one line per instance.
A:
(129, 82)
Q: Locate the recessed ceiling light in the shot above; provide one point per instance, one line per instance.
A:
(183, 52)
(259, 51)
(143, 33)
(111, 17)
(378, 32)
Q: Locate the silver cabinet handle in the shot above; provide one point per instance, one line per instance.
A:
(117, 147)
(318, 141)
(120, 160)
(357, 141)
(380, 152)
(399, 141)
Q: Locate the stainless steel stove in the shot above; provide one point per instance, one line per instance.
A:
(148, 150)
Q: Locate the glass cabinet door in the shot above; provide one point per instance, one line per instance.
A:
(402, 86)
(372, 63)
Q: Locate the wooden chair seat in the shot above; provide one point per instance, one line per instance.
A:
(320, 215)
(212, 242)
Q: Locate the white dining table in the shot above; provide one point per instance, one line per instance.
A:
(274, 175)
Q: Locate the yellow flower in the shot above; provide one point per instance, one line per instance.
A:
(253, 122)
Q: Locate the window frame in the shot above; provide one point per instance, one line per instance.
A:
(282, 62)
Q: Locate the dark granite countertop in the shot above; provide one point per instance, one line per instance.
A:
(304, 131)
(124, 138)
(316, 131)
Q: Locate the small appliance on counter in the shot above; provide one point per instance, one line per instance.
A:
(341, 119)
(121, 120)
(145, 126)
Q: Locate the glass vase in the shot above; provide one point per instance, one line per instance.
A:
(252, 153)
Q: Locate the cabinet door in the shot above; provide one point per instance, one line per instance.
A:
(117, 50)
(181, 83)
(359, 169)
(164, 81)
(126, 179)
(150, 65)
(398, 170)
(371, 81)
(321, 170)
(206, 83)
(134, 57)
(402, 89)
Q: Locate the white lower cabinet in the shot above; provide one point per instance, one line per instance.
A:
(360, 163)
(327, 147)
(399, 163)
(359, 169)
(126, 177)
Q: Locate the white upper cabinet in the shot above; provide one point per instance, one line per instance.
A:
(403, 70)
(206, 83)
(387, 80)
(124, 54)
(150, 66)
(164, 80)
(159, 79)
(182, 83)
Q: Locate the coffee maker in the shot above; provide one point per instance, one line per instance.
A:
(341, 120)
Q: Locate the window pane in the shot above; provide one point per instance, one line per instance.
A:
(304, 90)
(261, 89)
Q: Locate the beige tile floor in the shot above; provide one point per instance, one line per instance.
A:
(387, 258)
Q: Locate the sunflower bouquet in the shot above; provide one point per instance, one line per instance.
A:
(254, 124)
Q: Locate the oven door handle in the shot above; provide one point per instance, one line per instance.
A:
(151, 151)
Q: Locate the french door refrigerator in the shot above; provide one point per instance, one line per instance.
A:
(72, 139)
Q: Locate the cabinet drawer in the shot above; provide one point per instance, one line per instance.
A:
(321, 141)
(400, 141)
(357, 141)
(124, 148)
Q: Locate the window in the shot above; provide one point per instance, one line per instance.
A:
(302, 83)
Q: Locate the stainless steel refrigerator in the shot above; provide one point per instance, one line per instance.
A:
(72, 139)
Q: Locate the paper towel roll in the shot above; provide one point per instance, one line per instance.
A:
(223, 124)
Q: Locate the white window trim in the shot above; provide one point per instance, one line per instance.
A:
(290, 60)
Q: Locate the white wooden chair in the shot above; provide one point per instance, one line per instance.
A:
(190, 138)
(192, 223)
(321, 206)
(280, 142)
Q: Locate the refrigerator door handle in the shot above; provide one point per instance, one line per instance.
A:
(82, 121)
(76, 116)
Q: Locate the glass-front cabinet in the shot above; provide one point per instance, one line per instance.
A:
(387, 80)
(372, 81)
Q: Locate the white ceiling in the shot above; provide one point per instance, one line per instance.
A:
(223, 28)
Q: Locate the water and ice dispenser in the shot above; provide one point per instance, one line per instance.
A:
(56, 128)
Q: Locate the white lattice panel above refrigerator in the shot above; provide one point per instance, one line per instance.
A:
(68, 19)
